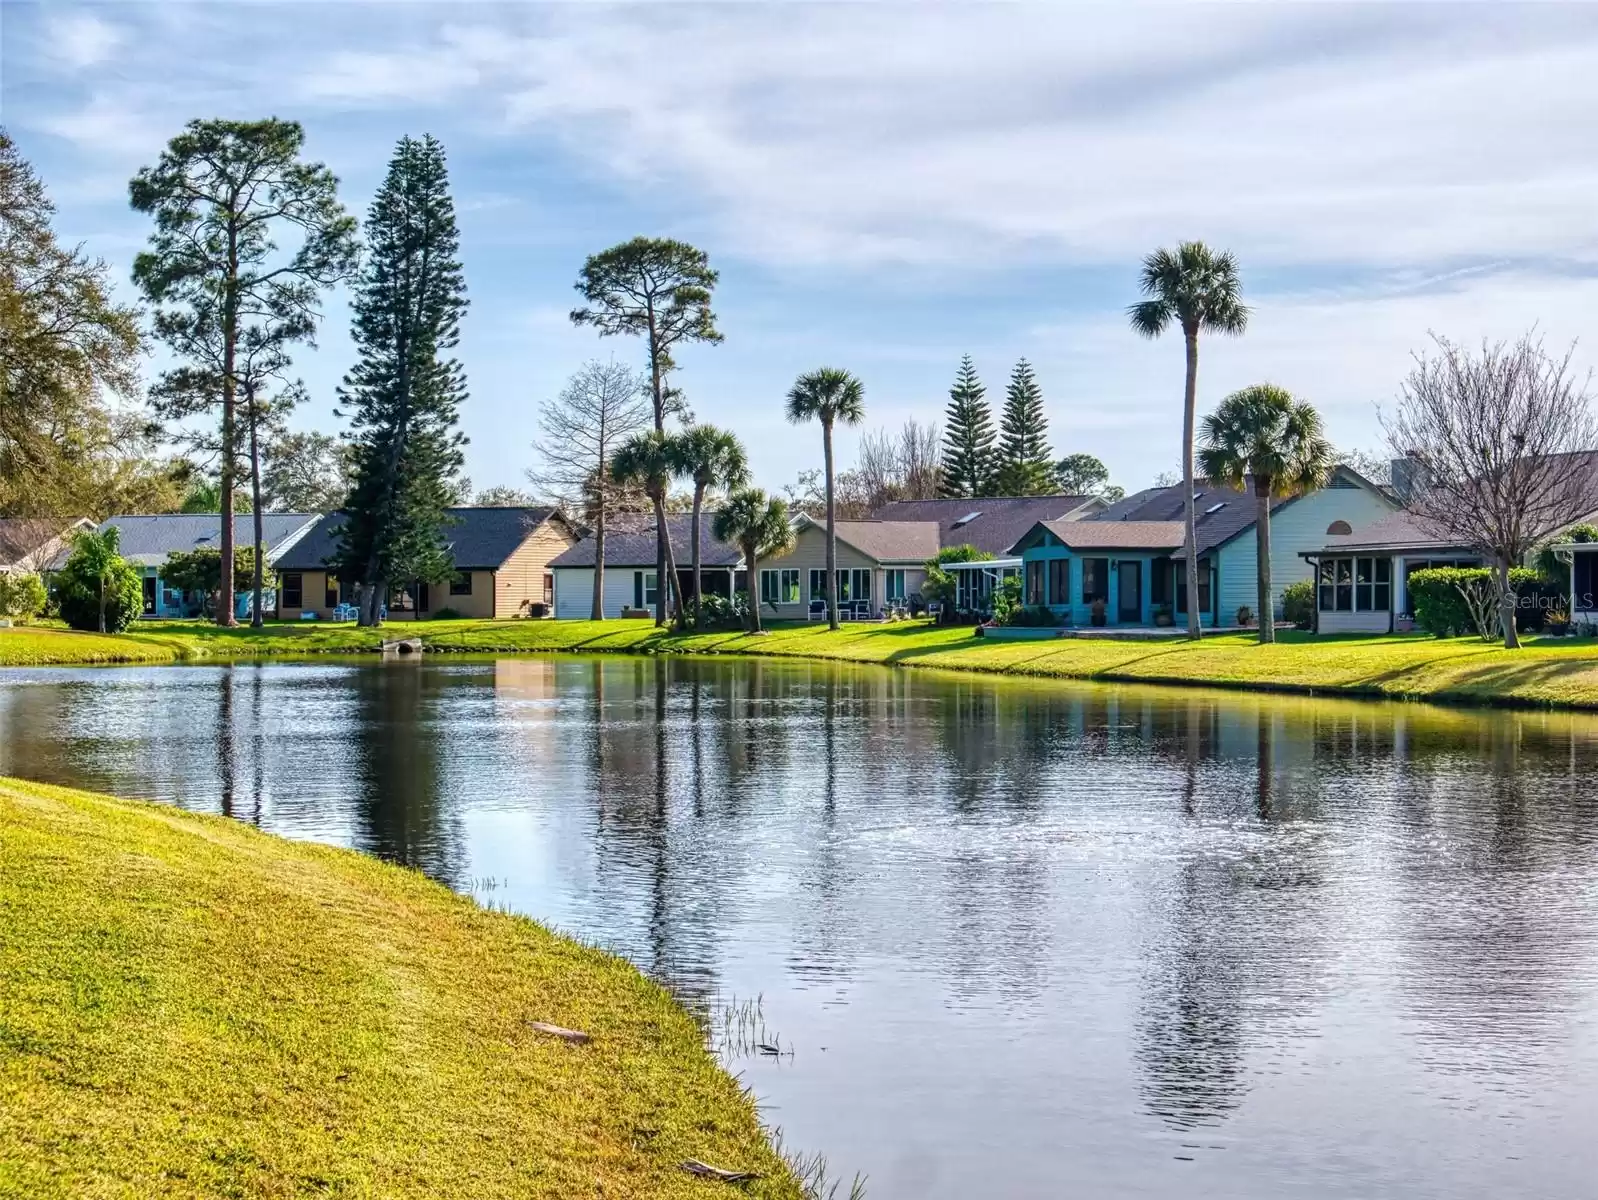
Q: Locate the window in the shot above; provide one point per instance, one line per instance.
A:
(892, 583)
(1325, 598)
(859, 583)
(1095, 580)
(1339, 529)
(1059, 581)
(818, 583)
(1160, 581)
(330, 593)
(1206, 582)
(549, 589)
(780, 586)
(1354, 584)
(645, 589)
(1343, 581)
(294, 590)
(1034, 581)
(461, 585)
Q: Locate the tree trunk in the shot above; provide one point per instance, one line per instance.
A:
(598, 613)
(667, 591)
(257, 618)
(230, 337)
(1189, 403)
(693, 552)
(832, 529)
(1506, 607)
(372, 599)
(751, 586)
(102, 602)
(1266, 614)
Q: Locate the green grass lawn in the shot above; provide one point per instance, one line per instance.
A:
(1554, 671)
(189, 1008)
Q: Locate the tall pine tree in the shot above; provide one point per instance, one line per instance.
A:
(968, 436)
(404, 394)
(1024, 468)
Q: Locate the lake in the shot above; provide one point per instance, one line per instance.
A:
(1013, 939)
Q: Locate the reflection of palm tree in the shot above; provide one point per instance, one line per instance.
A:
(1190, 1035)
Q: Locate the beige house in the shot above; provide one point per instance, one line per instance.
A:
(880, 563)
(501, 555)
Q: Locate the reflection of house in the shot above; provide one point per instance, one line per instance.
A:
(630, 573)
(147, 541)
(502, 567)
(33, 544)
(1362, 574)
(1130, 558)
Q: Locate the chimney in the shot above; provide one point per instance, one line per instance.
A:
(1408, 475)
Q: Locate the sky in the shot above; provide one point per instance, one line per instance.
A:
(885, 188)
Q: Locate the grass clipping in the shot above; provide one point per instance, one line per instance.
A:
(191, 1008)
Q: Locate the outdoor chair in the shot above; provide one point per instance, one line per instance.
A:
(818, 611)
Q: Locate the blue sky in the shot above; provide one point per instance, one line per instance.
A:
(885, 188)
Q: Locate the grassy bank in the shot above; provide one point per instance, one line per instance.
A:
(1549, 672)
(191, 1008)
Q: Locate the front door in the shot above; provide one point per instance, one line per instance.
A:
(1129, 580)
(149, 595)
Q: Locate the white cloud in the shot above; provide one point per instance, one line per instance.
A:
(79, 40)
(1304, 134)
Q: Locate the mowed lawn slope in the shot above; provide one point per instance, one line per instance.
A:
(1560, 672)
(191, 1008)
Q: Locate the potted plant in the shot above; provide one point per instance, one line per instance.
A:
(1097, 613)
(1245, 616)
(1163, 616)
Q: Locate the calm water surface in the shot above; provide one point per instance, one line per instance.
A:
(1024, 940)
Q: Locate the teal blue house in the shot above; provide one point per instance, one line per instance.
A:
(1128, 570)
(1130, 557)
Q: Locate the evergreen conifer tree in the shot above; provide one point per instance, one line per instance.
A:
(968, 438)
(1024, 467)
(404, 393)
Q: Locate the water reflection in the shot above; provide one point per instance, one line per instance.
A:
(1017, 933)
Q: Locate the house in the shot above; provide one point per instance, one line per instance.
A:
(1362, 574)
(502, 562)
(1583, 560)
(879, 564)
(630, 567)
(34, 544)
(990, 525)
(1129, 570)
(146, 541)
(1142, 568)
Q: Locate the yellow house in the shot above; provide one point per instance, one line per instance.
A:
(501, 560)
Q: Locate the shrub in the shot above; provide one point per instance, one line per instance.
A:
(1298, 603)
(1454, 601)
(22, 596)
(720, 612)
(448, 614)
(1007, 602)
(1245, 615)
(98, 579)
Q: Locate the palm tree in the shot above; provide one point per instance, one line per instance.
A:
(711, 457)
(828, 394)
(761, 528)
(649, 460)
(1198, 289)
(1262, 434)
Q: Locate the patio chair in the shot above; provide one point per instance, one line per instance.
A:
(818, 611)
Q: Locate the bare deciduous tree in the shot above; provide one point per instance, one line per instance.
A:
(600, 407)
(1504, 449)
(903, 465)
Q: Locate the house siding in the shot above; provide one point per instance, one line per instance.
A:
(1295, 527)
(1074, 611)
(810, 553)
(519, 582)
(574, 591)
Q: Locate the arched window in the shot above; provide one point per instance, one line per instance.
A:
(1339, 528)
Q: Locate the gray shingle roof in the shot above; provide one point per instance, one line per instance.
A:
(890, 541)
(1118, 535)
(1401, 530)
(630, 542)
(999, 521)
(480, 539)
(147, 540)
(22, 536)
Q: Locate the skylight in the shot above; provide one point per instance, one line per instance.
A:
(967, 519)
(1214, 508)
